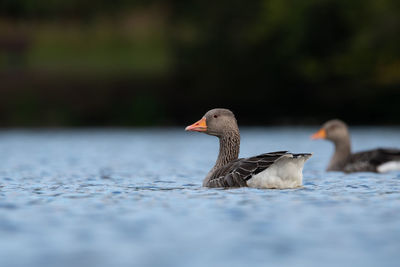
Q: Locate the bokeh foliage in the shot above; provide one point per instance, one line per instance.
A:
(166, 62)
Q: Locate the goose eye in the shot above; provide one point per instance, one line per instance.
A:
(215, 116)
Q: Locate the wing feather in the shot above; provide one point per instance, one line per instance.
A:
(238, 172)
(371, 159)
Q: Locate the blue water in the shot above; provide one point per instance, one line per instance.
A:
(134, 198)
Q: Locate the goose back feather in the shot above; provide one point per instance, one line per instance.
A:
(372, 160)
(239, 173)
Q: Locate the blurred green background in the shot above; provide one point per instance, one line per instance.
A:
(143, 63)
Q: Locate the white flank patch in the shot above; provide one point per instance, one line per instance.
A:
(286, 172)
(389, 166)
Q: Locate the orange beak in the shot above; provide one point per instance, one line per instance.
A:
(321, 134)
(200, 126)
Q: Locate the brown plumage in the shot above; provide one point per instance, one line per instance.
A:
(343, 160)
(229, 171)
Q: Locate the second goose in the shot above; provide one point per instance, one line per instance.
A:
(376, 160)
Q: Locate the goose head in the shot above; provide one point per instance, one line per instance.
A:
(333, 130)
(217, 122)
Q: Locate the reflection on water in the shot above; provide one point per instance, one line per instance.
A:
(134, 197)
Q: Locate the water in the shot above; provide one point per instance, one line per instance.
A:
(134, 198)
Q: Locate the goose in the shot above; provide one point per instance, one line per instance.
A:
(376, 160)
(276, 170)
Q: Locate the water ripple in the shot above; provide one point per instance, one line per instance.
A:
(123, 197)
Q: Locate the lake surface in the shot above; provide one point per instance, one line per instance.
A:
(134, 198)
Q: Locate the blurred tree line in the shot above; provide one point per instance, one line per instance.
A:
(136, 62)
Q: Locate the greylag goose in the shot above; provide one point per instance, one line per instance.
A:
(377, 160)
(278, 170)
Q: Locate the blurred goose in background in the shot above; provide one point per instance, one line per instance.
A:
(270, 170)
(377, 160)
